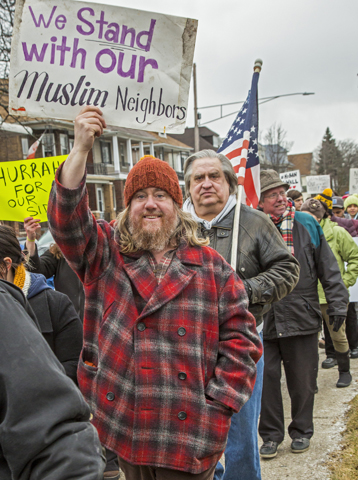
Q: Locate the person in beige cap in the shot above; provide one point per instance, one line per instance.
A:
(292, 324)
(170, 348)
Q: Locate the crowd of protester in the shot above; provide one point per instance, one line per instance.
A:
(151, 350)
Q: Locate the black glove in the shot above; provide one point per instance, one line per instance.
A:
(337, 321)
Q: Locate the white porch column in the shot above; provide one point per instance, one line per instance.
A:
(129, 153)
(152, 149)
(116, 163)
(141, 150)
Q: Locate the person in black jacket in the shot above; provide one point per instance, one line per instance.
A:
(55, 313)
(267, 269)
(292, 324)
(45, 431)
(53, 263)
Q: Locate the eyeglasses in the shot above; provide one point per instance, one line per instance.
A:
(274, 196)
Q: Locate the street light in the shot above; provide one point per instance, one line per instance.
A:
(260, 101)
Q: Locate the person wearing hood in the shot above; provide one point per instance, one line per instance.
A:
(267, 269)
(351, 206)
(58, 320)
(346, 252)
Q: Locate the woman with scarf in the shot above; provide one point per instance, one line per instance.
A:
(59, 323)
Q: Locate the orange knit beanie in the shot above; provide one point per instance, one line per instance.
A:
(152, 172)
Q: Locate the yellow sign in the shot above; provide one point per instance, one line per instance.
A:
(25, 187)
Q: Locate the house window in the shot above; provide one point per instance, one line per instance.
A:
(122, 155)
(64, 144)
(70, 143)
(106, 152)
(114, 197)
(183, 157)
(25, 147)
(48, 145)
(100, 200)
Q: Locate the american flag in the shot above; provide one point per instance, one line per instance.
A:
(241, 147)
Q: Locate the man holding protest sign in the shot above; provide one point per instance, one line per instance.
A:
(161, 375)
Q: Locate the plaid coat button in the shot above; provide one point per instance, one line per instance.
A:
(181, 331)
(182, 376)
(110, 396)
(182, 415)
(141, 326)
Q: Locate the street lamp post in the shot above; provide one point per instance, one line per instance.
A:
(260, 101)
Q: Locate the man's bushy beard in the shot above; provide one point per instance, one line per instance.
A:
(156, 238)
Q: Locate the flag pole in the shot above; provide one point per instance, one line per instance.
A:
(235, 233)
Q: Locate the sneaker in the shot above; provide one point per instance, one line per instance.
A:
(321, 343)
(329, 362)
(354, 353)
(300, 445)
(269, 449)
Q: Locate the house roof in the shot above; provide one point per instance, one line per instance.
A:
(188, 138)
(169, 140)
(302, 161)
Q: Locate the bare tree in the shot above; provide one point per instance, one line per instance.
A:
(276, 148)
(7, 10)
(349, 153)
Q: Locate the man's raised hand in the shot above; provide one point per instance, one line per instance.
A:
(88, 125)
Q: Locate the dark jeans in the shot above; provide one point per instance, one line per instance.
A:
(299, 355)
(351, 332)
(140, 472)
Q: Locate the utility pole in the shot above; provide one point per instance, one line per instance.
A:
(196, 126)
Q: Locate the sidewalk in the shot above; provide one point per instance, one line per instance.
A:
(330, 407)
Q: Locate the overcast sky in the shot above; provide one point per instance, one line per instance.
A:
(306, 46)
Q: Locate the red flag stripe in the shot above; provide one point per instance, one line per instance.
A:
(250, 189)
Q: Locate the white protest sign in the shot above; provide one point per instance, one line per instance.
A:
(353, 291)
(134, 65)
(293, 179)
(317, 183)
(353, 180)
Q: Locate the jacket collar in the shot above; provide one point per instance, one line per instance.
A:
(176, 279)
(185, 253)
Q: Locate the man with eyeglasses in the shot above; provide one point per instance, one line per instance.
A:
(291, 326)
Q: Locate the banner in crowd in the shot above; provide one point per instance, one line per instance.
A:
(317, 183)
(353, 180)
(134, 65)
(293, 179)
(25, 187)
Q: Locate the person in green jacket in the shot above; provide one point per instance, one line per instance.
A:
(346, 251)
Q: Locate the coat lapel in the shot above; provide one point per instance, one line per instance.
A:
(141, 275)
(178, 276)
(176, 279)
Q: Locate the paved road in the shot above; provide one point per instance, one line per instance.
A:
(330, 407)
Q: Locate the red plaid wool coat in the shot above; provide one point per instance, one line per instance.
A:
(151, 371)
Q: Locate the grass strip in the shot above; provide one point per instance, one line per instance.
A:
(344, 463)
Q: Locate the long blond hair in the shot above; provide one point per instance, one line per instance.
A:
(187, 229)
